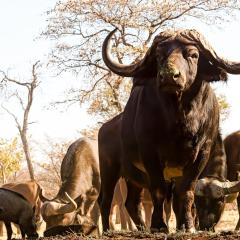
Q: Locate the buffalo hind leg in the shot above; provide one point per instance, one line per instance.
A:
(9, 230)
(133, 204)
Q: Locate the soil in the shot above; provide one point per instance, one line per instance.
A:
(144, 235)
(224, 230)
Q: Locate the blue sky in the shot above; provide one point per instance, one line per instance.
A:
(21, 23)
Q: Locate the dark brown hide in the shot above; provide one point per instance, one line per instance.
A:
(170, 124)
(210, 209)
(218, 183)
(110, 170)
(30, 191)
(16, 209)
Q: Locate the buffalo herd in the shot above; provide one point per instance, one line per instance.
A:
(164, 151)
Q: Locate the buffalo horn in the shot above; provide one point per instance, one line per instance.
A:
(69, 207)
(215, 188)
(121, 69)
(43, 198)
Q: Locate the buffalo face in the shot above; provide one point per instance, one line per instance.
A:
(58, 213)
(209, 211)
(60, 219)
(211, 195)
(177, 66)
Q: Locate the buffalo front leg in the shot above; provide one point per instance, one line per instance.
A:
(183, 199)
(9, 230)
(133, 204)
(157, 186)
(105, 198)
(182, 204)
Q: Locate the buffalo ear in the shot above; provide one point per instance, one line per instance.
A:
(210, 72)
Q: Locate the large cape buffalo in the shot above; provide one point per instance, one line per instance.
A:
(170, 125)
(16, 209)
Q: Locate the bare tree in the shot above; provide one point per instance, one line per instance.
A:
(26, 105)
(49, 175)
(79, 26)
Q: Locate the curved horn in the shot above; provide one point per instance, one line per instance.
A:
(231, 187)
(121, 69)
(69, 207)
(50, 208)
(215, 188)
(43, 198)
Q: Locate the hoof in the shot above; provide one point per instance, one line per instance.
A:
(191, 230)
(160, 230)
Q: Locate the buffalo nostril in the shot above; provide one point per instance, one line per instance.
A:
(176, 75)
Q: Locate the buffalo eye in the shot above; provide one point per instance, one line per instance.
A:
(191, 53)
(194, 55)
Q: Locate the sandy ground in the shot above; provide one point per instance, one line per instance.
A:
(224, 230)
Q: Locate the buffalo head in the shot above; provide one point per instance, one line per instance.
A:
(175, 60)
(211, 196)
(58, 213)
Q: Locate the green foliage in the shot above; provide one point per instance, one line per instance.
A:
(224, 107)
(11, 155)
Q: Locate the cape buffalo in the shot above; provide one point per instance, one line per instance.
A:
(232, 148)
(170, 125)
(138, 201)
(81, 181)
(30, 191)
(16, 209)
(218, 183)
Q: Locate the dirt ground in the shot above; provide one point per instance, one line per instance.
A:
(224, 230)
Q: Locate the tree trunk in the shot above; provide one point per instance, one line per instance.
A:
(27, 155)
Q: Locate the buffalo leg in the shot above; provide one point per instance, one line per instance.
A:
(9, 230)
(158, 222)
(238, 203)
(22, 232)
(133, 204)
(167, 210)
(108, 182)
(182, 205)
(158, 187)
(183, 199)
